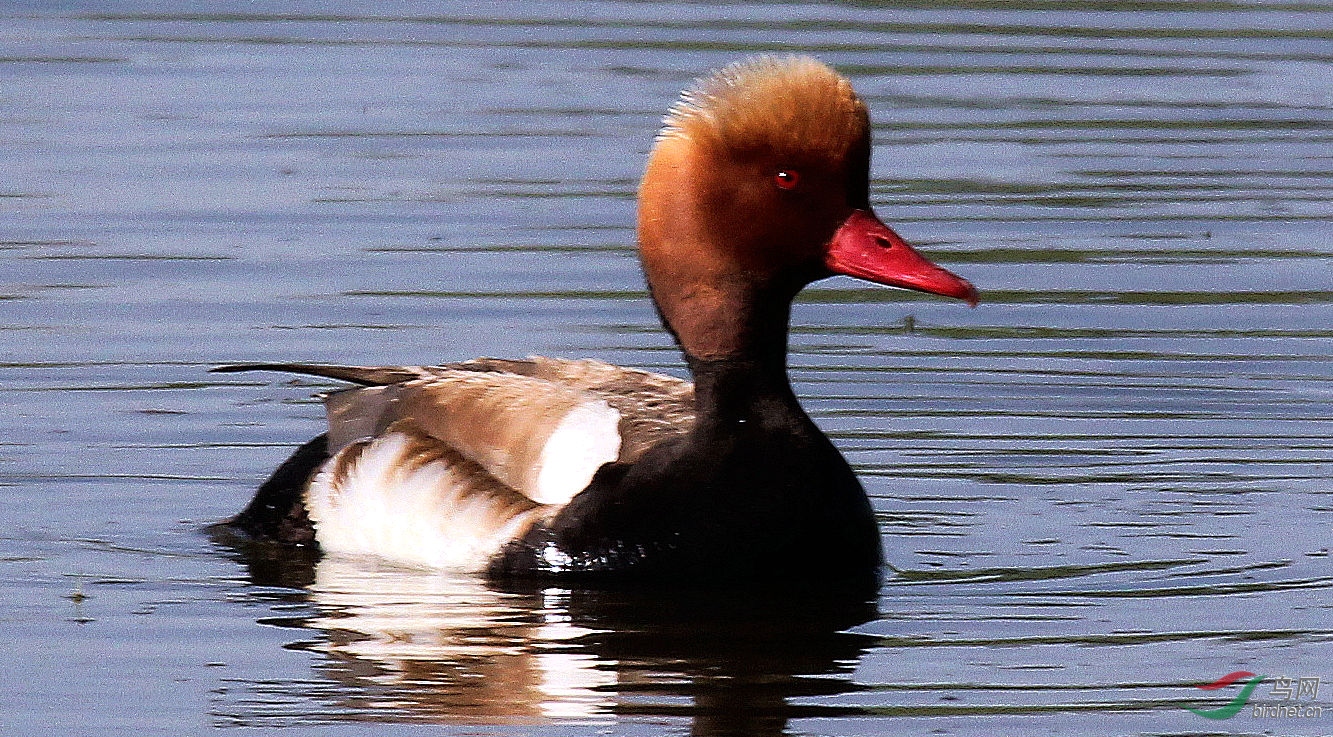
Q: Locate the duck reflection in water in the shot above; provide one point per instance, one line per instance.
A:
(423, 646)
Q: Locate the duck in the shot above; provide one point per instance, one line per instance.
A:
(756, 185)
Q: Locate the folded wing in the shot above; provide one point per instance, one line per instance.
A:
(446, 463)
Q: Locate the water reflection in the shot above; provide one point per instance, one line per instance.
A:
(446, 647)
(403, 645)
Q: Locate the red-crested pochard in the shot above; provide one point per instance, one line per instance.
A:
(757, 185)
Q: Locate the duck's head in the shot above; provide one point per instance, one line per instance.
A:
(758, 184)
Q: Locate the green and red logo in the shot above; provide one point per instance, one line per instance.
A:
(1235, 705)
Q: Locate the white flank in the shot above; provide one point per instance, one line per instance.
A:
(430, 515)
(587, 437)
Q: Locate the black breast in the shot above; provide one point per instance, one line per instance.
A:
(754, 493)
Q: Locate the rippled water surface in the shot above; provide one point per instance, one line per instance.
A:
(1107, 484)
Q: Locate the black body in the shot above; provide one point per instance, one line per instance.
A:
(754, 492)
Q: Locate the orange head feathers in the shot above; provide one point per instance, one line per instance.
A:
(759, 175)
(794, 109)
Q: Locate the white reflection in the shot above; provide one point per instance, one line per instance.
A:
(445, 644)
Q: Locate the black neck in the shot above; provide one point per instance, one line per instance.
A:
(735, 392)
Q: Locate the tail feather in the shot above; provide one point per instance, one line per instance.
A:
(364, 375)
(278, 510)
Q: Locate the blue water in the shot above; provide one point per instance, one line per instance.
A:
(1107, 484)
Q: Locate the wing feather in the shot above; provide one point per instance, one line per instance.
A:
(406, 496)
(541, 426)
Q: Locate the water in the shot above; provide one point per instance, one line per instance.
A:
(1107, 484)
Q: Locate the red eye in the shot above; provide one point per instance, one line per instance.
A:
(787, 179)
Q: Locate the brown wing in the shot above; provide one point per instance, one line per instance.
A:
(653, 407)
(538, 425)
